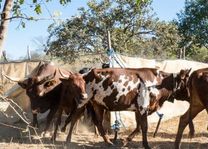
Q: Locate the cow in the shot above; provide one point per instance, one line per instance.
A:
(73, 90)
(117, 89)
(44, 90)
(197, 89)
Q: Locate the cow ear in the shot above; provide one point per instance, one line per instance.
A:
(63, 80)
(23, 84)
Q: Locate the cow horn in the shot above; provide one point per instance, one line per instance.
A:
(49, 77)
(63, 75)
(14, 79)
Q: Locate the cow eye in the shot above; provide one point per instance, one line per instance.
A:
(49, 83)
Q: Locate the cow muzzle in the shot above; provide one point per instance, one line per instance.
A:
(40, 94)
(84, 96)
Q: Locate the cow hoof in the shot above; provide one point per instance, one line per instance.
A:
(109, 143)
(125, 142)
(147, 147)
(45, 134)
(191, 135)
(63, 129)
(53, 138)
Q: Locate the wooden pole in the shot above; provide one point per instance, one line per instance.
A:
(109, 40)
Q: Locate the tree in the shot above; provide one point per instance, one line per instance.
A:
(14, 7)
(193, 26)
(132, 29)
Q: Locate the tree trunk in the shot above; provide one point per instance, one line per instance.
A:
(5, 22)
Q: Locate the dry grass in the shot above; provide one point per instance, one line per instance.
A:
(84, 139)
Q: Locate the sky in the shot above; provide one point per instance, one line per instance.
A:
(19, 39)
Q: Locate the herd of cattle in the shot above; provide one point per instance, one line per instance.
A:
(142, 90)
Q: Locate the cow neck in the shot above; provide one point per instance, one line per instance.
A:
(168, 84)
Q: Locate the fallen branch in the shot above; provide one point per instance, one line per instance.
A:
(23, 118)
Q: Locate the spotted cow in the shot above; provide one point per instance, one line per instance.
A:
(115, 89)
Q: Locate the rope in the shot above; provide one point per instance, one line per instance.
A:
(118, 122)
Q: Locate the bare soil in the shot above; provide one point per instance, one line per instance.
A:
(16, 139)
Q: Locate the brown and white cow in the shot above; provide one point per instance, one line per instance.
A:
(116, 89)
(197, 87)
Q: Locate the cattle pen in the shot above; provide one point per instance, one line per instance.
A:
(15, 134)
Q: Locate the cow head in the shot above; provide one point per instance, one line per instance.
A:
(182, 92)
(173, 86)
(45, 80)
(74, 86)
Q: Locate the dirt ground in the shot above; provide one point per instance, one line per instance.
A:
(16, 139)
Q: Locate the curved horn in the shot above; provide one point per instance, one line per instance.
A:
(63, 75)
(49, 77)
(14, 79)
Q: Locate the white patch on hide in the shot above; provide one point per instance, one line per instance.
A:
(120, 86)
(143, 99)
(146, 88)
(150, 83)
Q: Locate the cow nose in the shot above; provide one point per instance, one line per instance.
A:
(84, 96)
(35, 111)
(41, 93)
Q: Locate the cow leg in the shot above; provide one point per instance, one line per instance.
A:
(137, 130)
(67, 121)
(58, 122)
(191, 129)
(99, 111)
(144, 126)
(35, 120)
(77, 114)
(49, 118)
(185, 120)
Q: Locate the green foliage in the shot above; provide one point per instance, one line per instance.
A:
(38, 9)
(198, 54)
(35, 4)
(193, 24)
(134, 31)
(63, 2)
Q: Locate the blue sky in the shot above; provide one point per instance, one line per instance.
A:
(18, 39)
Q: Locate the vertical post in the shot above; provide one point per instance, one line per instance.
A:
(180, 53)
(28, 53)
(111, 56)
(184, 53)
(109, 40)
(107, 114)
